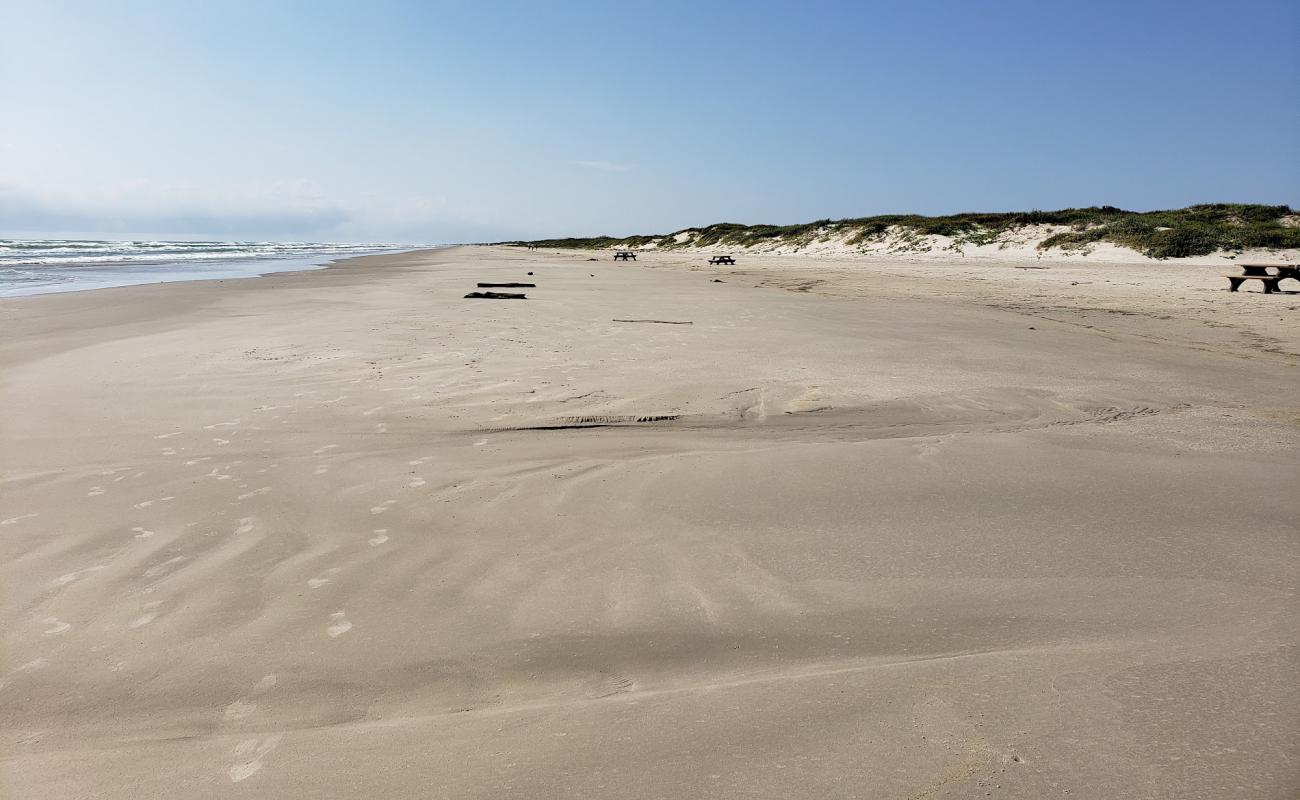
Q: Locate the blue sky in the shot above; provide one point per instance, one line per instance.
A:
(467, 121)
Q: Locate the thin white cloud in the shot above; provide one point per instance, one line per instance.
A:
(604, 166)
(296, 209)
(279, 207)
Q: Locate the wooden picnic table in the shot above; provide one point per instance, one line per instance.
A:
(1261, 272)
(625, 255)
(722, 260)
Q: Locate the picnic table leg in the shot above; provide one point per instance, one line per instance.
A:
(1234, 283)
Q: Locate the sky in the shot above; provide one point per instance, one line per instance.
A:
(439, 122)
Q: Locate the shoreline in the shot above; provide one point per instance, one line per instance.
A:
(136, 305)
(889, 527)
(234, 269)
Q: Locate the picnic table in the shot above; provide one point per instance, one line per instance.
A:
(722, 260)
(625, 255)
(1261, 273)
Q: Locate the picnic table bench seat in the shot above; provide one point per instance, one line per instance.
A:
(1269, 282)
(1261, 272)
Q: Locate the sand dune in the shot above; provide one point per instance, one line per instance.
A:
(343, 534)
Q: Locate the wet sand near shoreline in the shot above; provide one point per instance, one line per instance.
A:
(344, 533)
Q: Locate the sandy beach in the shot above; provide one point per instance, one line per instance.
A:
(861, 529)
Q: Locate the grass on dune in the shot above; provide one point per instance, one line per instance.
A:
(1177, 233)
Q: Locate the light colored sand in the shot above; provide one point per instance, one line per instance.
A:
(937, 534)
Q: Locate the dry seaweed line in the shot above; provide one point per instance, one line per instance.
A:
(591, 421)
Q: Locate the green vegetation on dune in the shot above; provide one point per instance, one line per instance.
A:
(1192, 231)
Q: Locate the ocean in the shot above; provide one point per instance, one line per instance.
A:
(42, 266)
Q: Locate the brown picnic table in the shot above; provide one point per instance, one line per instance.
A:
(1261, 272)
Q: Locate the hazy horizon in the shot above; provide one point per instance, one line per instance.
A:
(443, 123)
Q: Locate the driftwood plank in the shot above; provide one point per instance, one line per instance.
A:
(657, 321)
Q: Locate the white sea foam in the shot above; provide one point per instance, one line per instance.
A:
(40, 266)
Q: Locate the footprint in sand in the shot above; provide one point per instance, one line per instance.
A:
(64, 580)
(239, 710)
(266, 683)
(147, 503)
(167, 435)
(382, 507)
(159, 569)
(95, 491)
(150, 613)
(244, 706)
(18, 519)
(416, 482)
(322, 450)
(374, 410)
(35, 663)
(323, 578)
(56, 626)
(381, 536)
(417, 462)
(141, 533)
(339, 625)
(249, 754)
(245, 525)
(608, 685)
(381, 428)
(221, 442)
(813, 399)
(254, 493)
